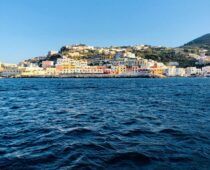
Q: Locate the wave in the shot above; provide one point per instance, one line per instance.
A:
(134, 157)
(135, 132)
(173, 132)
(78, 131)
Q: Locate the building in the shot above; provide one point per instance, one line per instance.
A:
(93, 70)
(50, 53)
(156, 69)
(47, 64)
(144, 72)
(79, 47)
(109, 71)
(118, 55)
(120, 69)
(193, 71)
(33, 72)
(10, 70)
(170, 71)
(140, 47)
(180, 72)
(145, 63)
(50, 71)
(206, 71)
(72, 62)
(1, 67)
(173, 64)
(82, 70)
(129, 55)
(131, 62)
(32, 65)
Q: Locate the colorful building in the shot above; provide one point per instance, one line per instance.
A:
(47, 64)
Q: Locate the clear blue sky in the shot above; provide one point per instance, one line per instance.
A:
(31, 28)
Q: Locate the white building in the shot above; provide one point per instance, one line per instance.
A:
(129, 55)
(10, 70)
(170, 71)
(191, 71)
(79, 47)
(146, 64)
(69, 61)
(33, 65)
(140, 47)
(173, 64)
(206, 70)
(180, 72)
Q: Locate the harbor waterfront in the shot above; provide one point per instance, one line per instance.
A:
(105, 123)
(129, 61)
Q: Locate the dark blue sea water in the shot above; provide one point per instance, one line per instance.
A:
(105, 123)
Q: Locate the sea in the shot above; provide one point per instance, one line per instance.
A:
(105, 123)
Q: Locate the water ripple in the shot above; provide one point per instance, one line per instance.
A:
(104, 124)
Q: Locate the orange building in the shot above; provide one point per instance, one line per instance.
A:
(155, 70)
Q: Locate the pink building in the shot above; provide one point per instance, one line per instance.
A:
(47, 64)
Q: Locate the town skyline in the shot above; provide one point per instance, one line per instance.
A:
(119, 62)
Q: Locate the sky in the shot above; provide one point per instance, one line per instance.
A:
(30, 28)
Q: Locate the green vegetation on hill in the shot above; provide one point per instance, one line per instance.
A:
(166, 55)
(185, 55)
(203, 41)
(160, 54)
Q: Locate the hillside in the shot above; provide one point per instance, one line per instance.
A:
(185, 55)
(98, 55)
(202, 42)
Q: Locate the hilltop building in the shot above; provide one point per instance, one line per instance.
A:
(50, 53)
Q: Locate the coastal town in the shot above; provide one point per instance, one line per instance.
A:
(88, 61)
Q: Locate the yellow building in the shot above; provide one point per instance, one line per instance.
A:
(1, 67)
(157, 71)
(33, 72)
(120, 69)
(51, 72)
